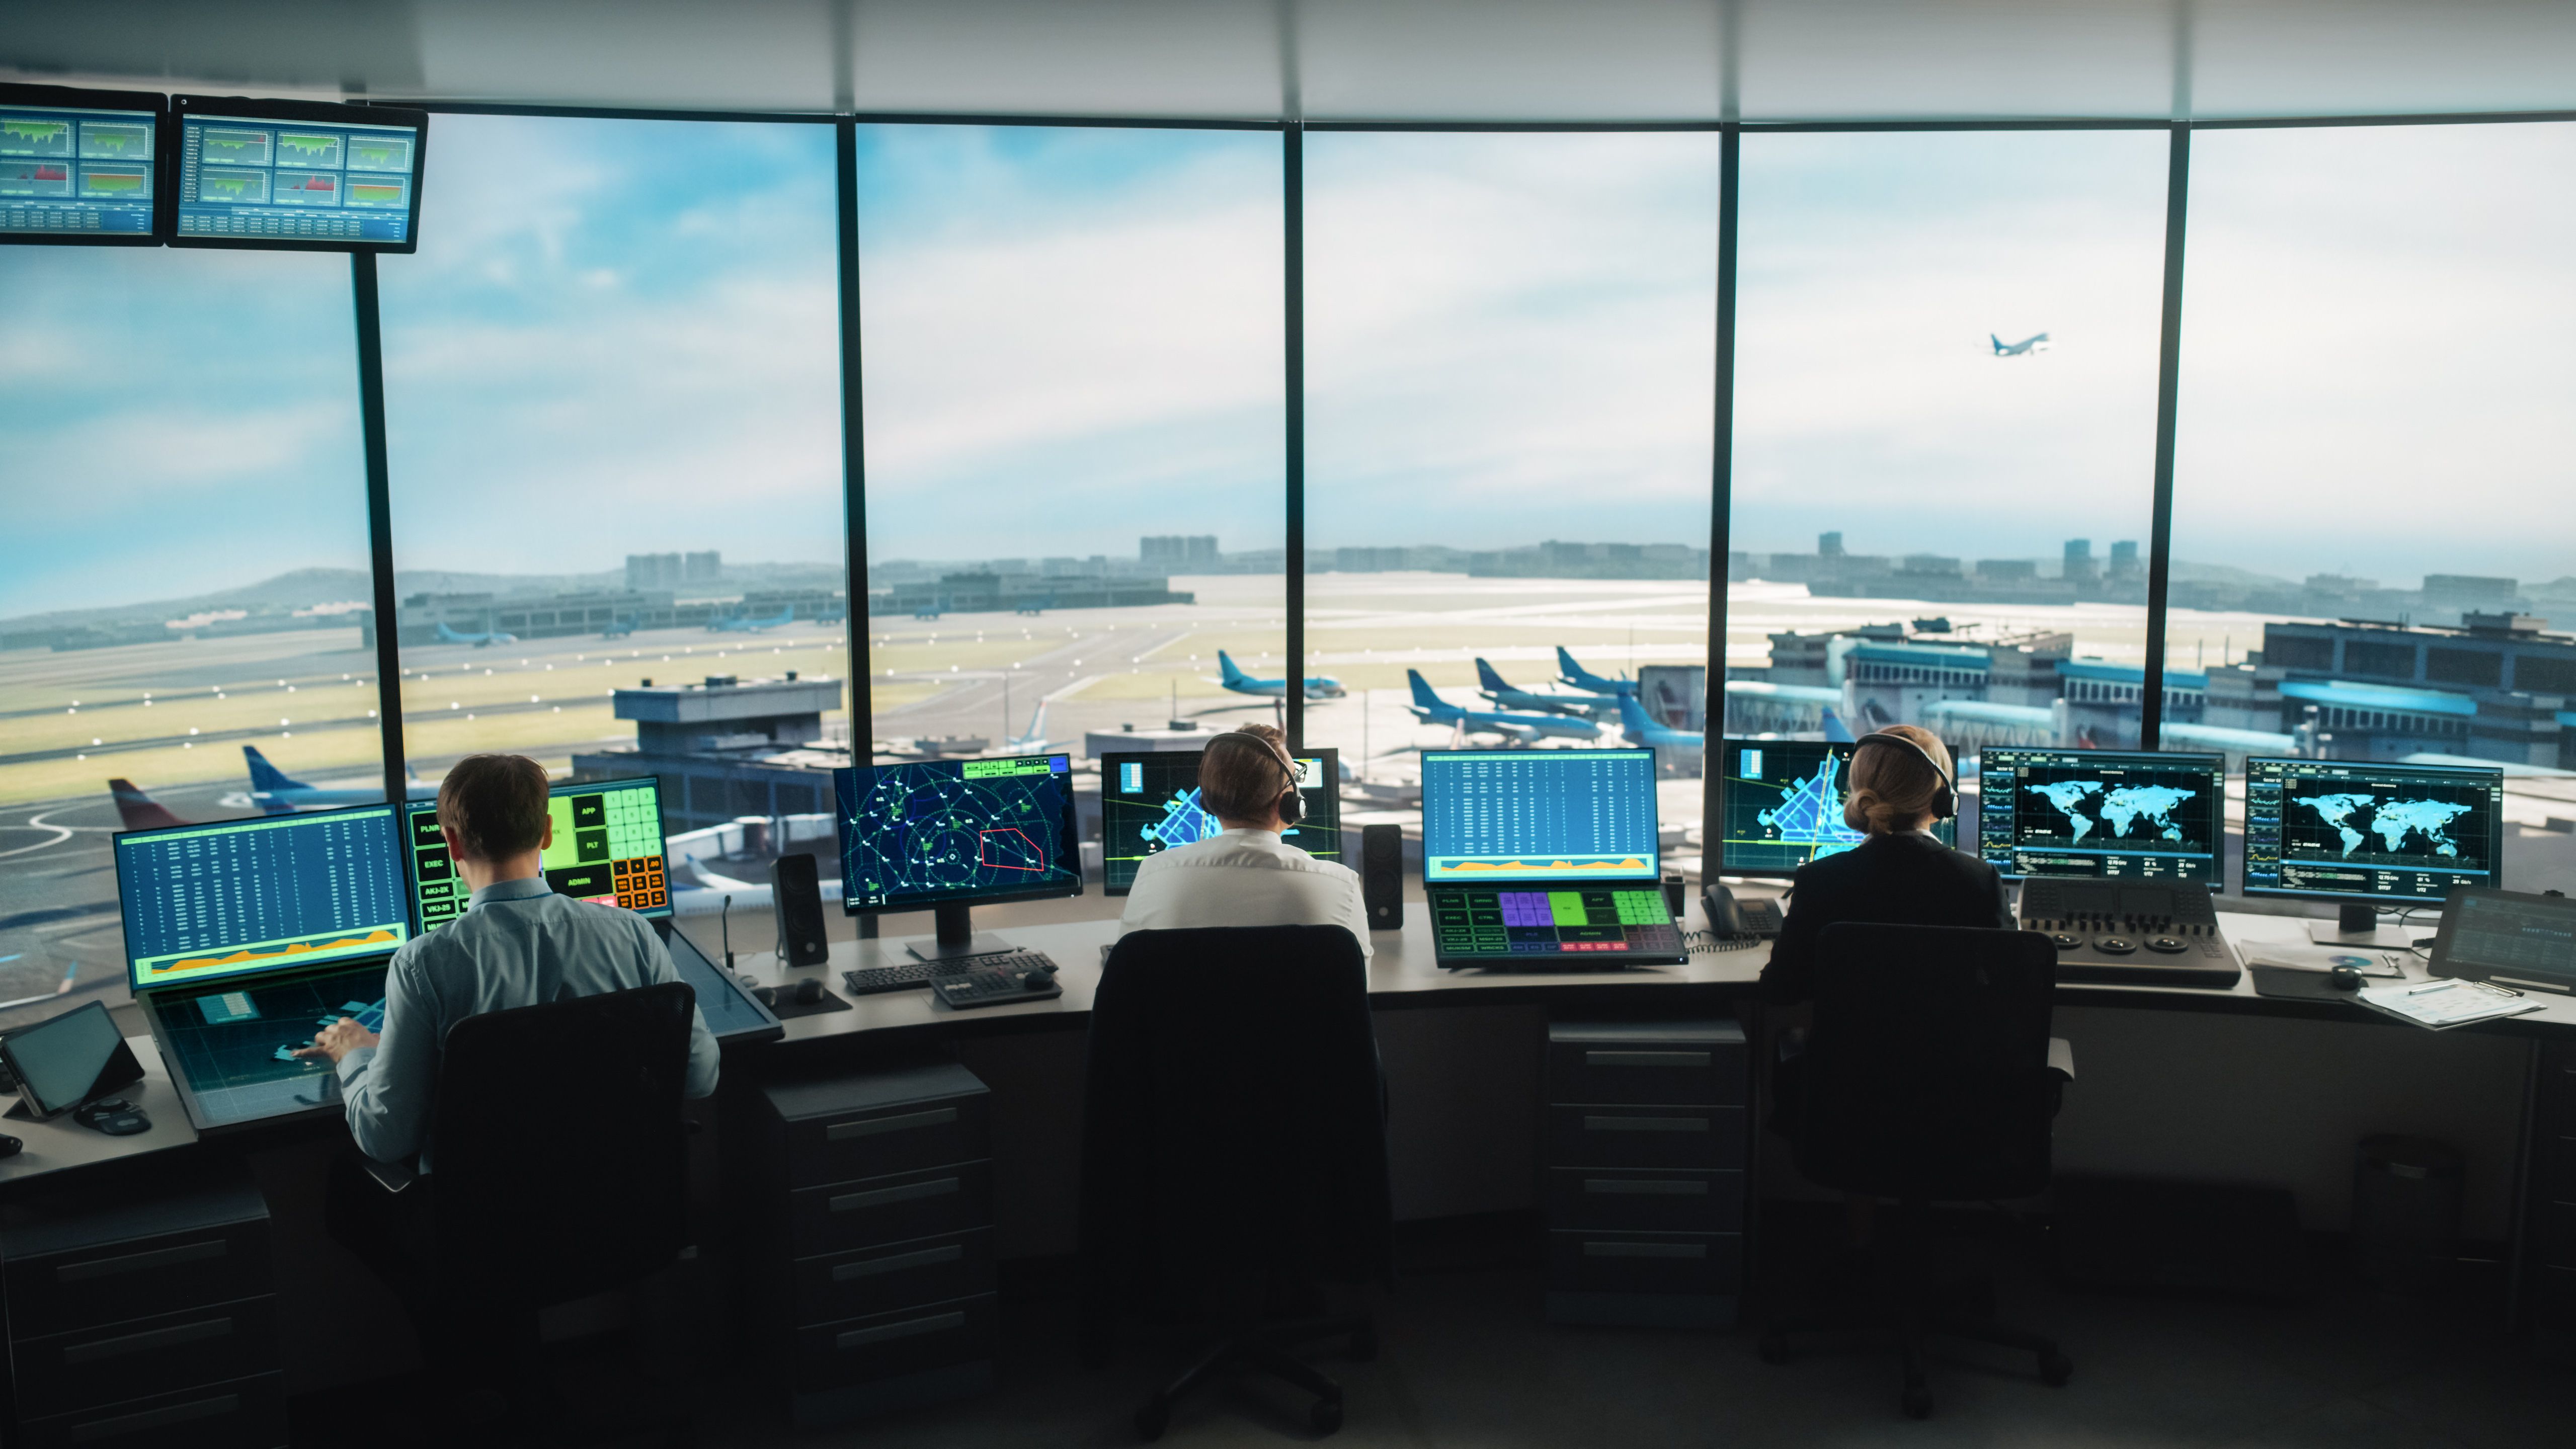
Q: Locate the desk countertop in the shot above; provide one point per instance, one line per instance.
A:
(63, 1143)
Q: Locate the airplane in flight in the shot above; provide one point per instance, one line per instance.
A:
(739, 624)
(2036, 342)
(479, 641)
(1317, 686)
(1576, 675)
(278, 793)
(1500, 691)
(1431, 709)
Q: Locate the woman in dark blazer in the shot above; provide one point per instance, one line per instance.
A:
(1901, 783)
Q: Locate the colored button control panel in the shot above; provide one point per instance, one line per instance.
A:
(1563, 922)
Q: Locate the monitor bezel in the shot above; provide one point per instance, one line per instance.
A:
(116, 862)
(2215, 761)
(845, 778)
(253, 108)
(1331, 755)
(1644, 752)
(1766, 872)
(2245, 852)
(669, 908)
(79, 98)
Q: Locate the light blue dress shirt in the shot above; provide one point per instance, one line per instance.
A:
(518, 944)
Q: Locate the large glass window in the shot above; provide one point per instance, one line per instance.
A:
(613, 398)
(2372, 500)
(1075, 436)
(1511, 352)
(183, 574)
(1945, 434)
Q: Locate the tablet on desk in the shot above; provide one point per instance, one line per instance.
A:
(67, 1060)
(2512, 938)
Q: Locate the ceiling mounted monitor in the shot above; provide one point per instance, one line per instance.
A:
(77, 166)
(292, 175)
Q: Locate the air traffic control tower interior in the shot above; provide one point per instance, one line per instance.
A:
(868, 455)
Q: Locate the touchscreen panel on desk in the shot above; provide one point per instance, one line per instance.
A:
(231, 1047)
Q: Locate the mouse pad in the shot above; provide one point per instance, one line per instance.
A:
(2290, 985)
(782, 1003)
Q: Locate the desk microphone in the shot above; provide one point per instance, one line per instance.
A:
(724, 923)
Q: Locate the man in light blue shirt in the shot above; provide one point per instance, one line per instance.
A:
(518, 944)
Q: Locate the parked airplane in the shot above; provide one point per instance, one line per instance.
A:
(274, 791)
(2036, 342)
(1500, 691)
(1640, 728)
(1317, 686)
(1035, 740)
(1582, 678)
(479, 641)
(1430, 708)
(738, 624)
(139, 811)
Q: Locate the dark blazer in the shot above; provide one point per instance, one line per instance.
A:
(1897, 880)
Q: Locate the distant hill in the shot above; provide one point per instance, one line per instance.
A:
(305, 588)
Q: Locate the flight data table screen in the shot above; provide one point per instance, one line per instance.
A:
(67, 172)
(2361, 829)
(2102, 814)
(1782, 804)
(1149, 803)
(944, 831)
(296, 181)
(1500, 921)
(1538, 815)
(246, 897)
(607, 849)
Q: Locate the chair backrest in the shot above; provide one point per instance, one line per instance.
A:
(560, 1155)
(1234, 1118)
(1926, 1071)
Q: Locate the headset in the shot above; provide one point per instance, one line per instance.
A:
(1944, 805)
(1292, 801)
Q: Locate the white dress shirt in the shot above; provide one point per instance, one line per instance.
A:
(1244, 878)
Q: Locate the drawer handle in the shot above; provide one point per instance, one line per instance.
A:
(1645, 1124)
(119, 1427)
(1645, 1059)
(141, 1262)
(1648, 1186)
(909, 1328)
(896, 1263)
(937, 1187)
(844, 1131)
(1645, 1250)
(107, 1348)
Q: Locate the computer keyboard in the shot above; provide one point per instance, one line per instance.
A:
(908, 975)
(1000, 980)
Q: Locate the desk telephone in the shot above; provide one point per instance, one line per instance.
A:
(1727, 916)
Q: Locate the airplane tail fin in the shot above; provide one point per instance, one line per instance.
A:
(1566, 668)
(1633, 719)
(137, 810)
(265, 776)
(1490, 677)
(1998, 343)
(1423, 697)
(1226, 667)
(1835, 730)
(1037, 727)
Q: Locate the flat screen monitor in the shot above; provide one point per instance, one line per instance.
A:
(2360, 830)
(1149, 803)
(292, 175)
(957, 833)
(243, 898)
(2509, 937)
(607, 849)
(2141, 815)
(1538, 815)
(79, 167)
(1781, 802)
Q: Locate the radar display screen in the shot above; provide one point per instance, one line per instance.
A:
(2365, 831)
(606, 849)
(295, 175)
(1782, 804)
(2142, 815)
(78, 166)
(957, 832)
(1149, 803)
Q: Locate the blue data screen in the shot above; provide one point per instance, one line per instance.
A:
(1515, 815)
(296, 181)
(247, 897)
(66, 172)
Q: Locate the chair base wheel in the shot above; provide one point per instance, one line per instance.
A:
(2055, 1369)
(1152, 1420)
(1325, 1417)
(1918, 1402)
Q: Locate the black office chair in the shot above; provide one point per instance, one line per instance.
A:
(1925, 1079)
(1234, 1151)
(559, 1170)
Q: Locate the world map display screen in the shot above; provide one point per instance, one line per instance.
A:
(2364, 830)
(1782, 801)
(1149, 803)
(2142, 815)
(957, 832)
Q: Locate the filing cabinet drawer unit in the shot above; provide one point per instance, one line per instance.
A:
(139, 1317)
(2549, 1211)
(869, 1205)
(1645, 1188)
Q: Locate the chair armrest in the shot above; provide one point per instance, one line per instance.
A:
(2061, 1057)
(391, 1176)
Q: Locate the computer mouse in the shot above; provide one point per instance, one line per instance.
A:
(11, 1146)
(2344, 978)
(809, 991)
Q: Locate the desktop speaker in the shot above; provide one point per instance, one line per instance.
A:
(1382, 876)
(799, 899)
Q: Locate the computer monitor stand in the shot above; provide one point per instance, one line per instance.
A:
(2357, 924)
(957, 938)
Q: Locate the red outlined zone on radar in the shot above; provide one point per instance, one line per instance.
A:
(999, 854)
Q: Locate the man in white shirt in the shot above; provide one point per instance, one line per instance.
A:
(1246, 875)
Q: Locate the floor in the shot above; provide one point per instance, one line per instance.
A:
(1466, 1363)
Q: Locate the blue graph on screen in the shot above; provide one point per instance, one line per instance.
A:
(1496, 815)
